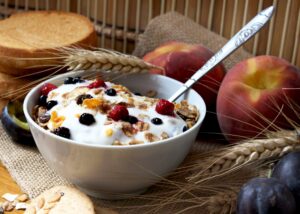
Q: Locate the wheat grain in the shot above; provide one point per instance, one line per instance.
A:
(247, 153)
(105, 61)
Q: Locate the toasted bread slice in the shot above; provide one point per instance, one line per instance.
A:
(39, 34)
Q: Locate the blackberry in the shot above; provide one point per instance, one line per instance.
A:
(87, 119)
(111, 92)
(184, 128)
(157, 121)
(50, 104)
(69, 80)
(132, 119)
(63, 132)
(82, 97)
(43, 100)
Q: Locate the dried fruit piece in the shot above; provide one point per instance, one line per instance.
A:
(111, 92)
(87, 119)
(119, 112)
(82, 97)
(46, 88)
(63, 132)
(156, 121)
(165, 107)
(50, 104)
(43, 100)
(97, 84)
(131, 119)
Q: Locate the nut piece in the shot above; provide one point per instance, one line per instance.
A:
(49, 206)
(40, 203)
(30, 210)
(8, 206)
(151, 93)
(135, 142)
(9, 196)
(164, 135)
(151, 137)
(5, 205)
(21, 206)
(54, 198)
(128, 130)
(23, 197)
(117, 143)
(142, 126)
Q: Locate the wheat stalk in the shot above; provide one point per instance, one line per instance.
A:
(250, 152)
(105, 61)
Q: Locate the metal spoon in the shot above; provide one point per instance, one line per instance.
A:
(249, 30)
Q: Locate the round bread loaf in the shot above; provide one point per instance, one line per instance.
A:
(61, 199)
(26, 39)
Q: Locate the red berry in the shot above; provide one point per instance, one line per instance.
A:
(165, 107)
(119, 112)
(96, 84)
(46, 88)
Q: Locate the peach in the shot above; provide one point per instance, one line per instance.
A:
(256, 95)
(181, 60)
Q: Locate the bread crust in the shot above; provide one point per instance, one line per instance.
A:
(17, 62)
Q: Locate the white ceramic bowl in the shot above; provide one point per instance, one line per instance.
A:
(114, 172)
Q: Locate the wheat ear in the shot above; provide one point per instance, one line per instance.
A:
(223, 202)
(237, 156)
(105, 61)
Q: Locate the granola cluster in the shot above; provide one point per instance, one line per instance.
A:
(100, 112)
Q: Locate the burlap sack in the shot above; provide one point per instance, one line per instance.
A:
(175, 27)
(30, 171)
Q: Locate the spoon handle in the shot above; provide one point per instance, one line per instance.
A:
(249, 30)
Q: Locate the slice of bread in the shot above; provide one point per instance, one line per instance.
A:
(39, 34)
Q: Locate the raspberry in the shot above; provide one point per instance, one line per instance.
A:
(96, 84)
(46, 88)
(119, 112)
(165, 107)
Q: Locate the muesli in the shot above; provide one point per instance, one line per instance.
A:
(98, 112)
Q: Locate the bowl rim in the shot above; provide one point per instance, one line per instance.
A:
(123, 147)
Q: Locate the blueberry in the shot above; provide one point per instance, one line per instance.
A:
(69, 80)
(87, 119)
(138, 94)
(50, 104)
(63, 132)
(157, 121)
(43, 100)
(184, 128)
(82, 97)
(77, 80)
(111, 92)
(132, 119)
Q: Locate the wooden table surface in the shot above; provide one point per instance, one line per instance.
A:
(8, 185)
